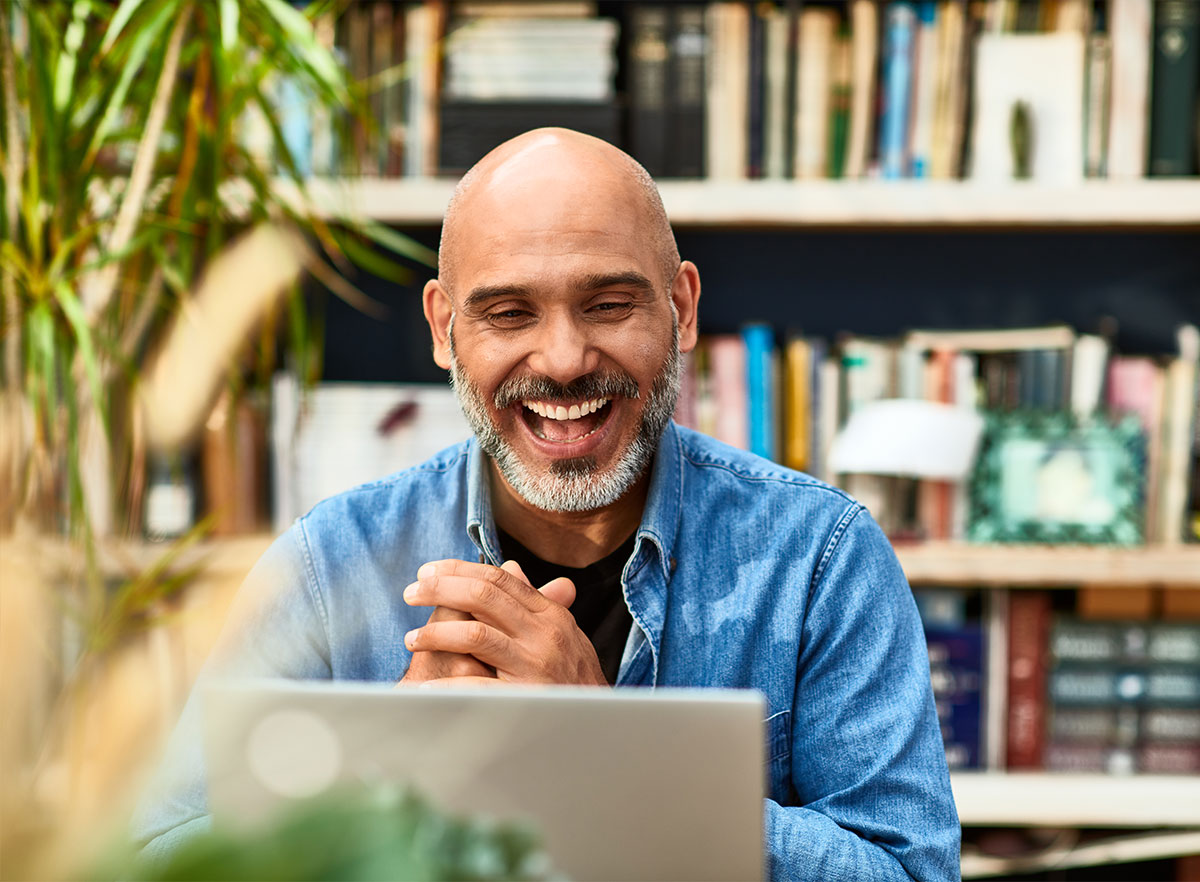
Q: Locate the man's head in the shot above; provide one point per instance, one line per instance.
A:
(560, 308)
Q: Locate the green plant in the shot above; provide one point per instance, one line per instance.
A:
(124, 176)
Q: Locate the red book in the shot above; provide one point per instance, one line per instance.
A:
(1029, 617)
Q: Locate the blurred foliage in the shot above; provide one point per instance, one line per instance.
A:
(126, 168)
(380, 833)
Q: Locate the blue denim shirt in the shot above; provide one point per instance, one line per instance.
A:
(744, 575)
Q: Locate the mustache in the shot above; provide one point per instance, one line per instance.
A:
(597, 384)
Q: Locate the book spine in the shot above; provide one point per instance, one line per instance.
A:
(648, 70)
(756, 92)
(689, 56)
(760, 389)
(864, 42)
(1096, 105)
(956, 660)
(727, 362)
(1028, 633)
(1130, 31)
(925, 56)
(1176, 81)
(900, 27)
(776, 107)
(839, 108)
(817, 32)
(798, 404)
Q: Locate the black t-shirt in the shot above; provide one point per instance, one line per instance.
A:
(599, 607)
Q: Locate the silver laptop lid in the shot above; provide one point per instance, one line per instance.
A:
(622, 784)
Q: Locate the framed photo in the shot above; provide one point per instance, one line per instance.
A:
(1046, 477)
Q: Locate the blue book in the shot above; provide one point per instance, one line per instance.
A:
(760, 388)
(956, 668)
(899, 31)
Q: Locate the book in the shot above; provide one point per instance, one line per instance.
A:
(728, 75)
(1129, 27)
(798, 396)
(648, 86)
(728, 370)
(757, 91)
(1136, 386)
(383, 105)
(1029, 618)
(839, 108)
(776, 105)
(1175, 87)
(956, 668)
(761, 393)
(1097, 101)
(423, 27)
(818, 30)
(950, 91)
(925, 73)
(1179, 426)
(900, 24)
(994, 340)
(689, 54)
(1043, 73)
(864, 47)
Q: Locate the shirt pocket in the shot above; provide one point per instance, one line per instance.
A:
(779, 755)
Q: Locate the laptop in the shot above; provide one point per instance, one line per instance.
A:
(622, 784)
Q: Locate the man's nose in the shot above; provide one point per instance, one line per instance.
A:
(563, 351)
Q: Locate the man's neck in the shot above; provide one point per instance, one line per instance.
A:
(572, 539)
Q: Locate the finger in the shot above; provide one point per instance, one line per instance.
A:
(517, 587)
(489, 645)
(511, 566)
(492, 595)
(560, 590)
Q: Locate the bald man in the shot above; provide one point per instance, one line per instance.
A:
(582, 538)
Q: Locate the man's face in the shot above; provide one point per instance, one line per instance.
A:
(564, 350)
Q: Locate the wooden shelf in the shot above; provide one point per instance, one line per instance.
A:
(859, 203)
(1061, 800)
(1016, 566)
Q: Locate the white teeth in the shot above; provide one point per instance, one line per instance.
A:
(559, 412)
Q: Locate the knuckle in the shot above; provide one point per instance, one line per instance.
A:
(482, 592)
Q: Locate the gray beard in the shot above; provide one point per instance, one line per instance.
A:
(578, 484)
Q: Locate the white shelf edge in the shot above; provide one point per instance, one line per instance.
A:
(1033, 799)
(948, 563)
(1118, 850)
(730, 204)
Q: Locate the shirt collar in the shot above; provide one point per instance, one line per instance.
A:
(660, 518)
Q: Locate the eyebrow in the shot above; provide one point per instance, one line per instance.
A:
(590, 282)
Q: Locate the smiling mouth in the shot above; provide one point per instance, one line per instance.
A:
(565, 422)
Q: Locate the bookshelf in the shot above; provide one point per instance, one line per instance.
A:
(1031, 799)
(1097, 205)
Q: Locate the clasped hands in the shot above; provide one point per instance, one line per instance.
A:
(490, 626)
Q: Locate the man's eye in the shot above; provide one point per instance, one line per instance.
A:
(508, 316)
(612, 308)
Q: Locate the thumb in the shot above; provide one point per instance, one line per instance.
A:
(514, 568)
(560, 590)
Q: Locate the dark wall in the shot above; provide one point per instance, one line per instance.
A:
(866, 282)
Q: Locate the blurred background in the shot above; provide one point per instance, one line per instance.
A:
(951, 262)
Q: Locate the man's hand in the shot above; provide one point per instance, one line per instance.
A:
(525, 635)
(429, 666)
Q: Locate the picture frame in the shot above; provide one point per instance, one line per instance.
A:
(1047, 477)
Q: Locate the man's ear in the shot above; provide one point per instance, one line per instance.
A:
(685, 294)
(438, 312)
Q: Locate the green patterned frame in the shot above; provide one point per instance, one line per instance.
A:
(1108, 456)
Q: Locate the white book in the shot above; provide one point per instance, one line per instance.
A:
(818, 28)
(1045, 73)
(341, 435)
(727, 107)
(864, 47)
(1089, 364)
(1129, 27)
(1179, 421)
(925, 83)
